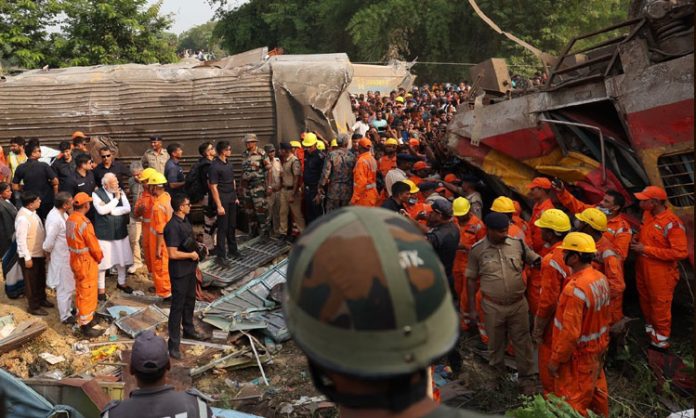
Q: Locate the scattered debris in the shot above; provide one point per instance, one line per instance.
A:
(85, 395)
(254, 254)
(23, 402)
(52, 359)
(24, 332)
(229, 413)
(141, 320)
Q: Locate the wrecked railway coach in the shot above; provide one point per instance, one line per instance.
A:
(616, 112)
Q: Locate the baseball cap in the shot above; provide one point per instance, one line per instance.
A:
(421, 165)
(452, 178)
(268, 147)
(541, 182)
(250, 138)
(443, 207)
(295, 144)
(364, 142)
(150, 353)
(414, 142)
(81, 198)
(495, 220)
(651, 192)
(78, 134)
(428, 185)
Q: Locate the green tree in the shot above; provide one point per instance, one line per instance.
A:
(201, 37)
(23, 33)
(113, 32)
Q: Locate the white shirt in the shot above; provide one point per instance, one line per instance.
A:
(393, 175)
(361, 127)
(30, 234)
(111, 208)
(56, 244)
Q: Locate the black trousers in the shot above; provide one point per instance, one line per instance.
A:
(226, 226)
(313, 210)
(34, 281)
(181, 311)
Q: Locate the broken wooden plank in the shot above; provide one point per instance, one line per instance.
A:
(25, 331)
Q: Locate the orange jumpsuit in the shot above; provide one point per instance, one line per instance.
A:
(618, 228)
(144, 206)
(85, 256)
(386, 163)
(657, 274)
(469, 233)
(535, 231)
(365, 181)
(580, 340)
(610, 263)
(554, 274)
(161, 214)
(414, 210)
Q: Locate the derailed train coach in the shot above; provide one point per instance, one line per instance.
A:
(616, 112)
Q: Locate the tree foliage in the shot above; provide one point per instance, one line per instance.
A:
(431, 31)
(201, 37)
(23, 30)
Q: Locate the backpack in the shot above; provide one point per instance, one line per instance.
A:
(196, 182)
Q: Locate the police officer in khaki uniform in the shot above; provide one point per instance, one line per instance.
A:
(154, 399)
(497, 261)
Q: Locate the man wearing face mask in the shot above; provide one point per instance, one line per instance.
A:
(618, 229)
(660, 245)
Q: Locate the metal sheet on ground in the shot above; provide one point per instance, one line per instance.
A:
(254, 254)
(142, 320)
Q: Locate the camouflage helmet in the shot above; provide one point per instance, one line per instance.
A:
(367, 296)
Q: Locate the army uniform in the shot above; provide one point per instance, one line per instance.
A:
(337, 178)
(499, 269)
(255, 167)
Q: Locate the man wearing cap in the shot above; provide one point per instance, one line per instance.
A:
(155, 157)
(313, 166)
(274, 186)
(468, 191)
(161, 215)
(85, 255)
(290, 193)
(298, 151)
(365, 176)
(256, 184)
(420, 170)
(539, 188)
(336, 183)
(660, 245)
(388, 160)
(149, 363)
(497, 263)
(143, 210)
(431, 190)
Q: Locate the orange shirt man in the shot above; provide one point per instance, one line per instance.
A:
(85, 256)
(540, 188)
(365, 177)
(157, 249)
(388, 160)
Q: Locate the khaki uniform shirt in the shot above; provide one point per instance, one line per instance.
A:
(500, 267)
(291, 168)
(156, 161)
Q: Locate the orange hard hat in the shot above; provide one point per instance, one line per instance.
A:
(451, 178)
(652, 192)
(81, 198)
(420, 165)
(414, 142)
(78, 134)
(541, 182)
(365, 143)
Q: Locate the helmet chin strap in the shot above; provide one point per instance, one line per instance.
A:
(400, 394)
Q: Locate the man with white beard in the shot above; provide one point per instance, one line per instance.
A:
(60, 275)
(111, 227)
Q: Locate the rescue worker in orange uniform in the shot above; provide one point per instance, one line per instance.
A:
(159, 257)
(85, 256)
(416, 207)
(539, 188)
(581, 330)
(554, 225)
(143, 208)
(521, 223)
(661, 244)
(608, 261)
(388, 160)
(618, 229)
(471, 230)
(420, 171)
(365, 176)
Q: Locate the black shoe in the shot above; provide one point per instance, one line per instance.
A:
(222, 261)
(125, 289)
(194, 336)
(38, 312)
(46, 304)
(175, 353)
(233, 255)
(69, 321)
(102, 296)
(90, 332)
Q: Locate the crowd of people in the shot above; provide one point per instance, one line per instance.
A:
(554, 281)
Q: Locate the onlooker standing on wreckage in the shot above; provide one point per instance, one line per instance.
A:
(274, 187)
(155, 157)
(337, 176)
(60, 276)
(37, 177)
(256, 172)
(111, 227)
(183, 260)
(223, 190)
(135, 224)
(290, 194)
(11, 271)
(173, 171)
(30, 236)
(200, 172)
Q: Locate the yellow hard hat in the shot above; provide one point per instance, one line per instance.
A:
(309, 140)
(295, 144)
(391, 141)
(156, 179)
(554, 219)
(461, 206)
(147, 173)
(412, 185)
(399, 99)
(594, 218)
(503, 204)
(334, 142)
(321, 146)
(580, 242)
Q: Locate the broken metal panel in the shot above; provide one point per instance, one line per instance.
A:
(382, 78)
(23, 402)
(142, 320)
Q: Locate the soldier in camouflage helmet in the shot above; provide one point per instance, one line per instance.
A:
(336, 182)
(368, 302)
(256, 170)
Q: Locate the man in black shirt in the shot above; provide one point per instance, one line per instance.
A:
(313, 166)
(173, 171)
(64, 165)
(444, 236)
(183, 259)
(223, 192)
(400, 192)
(109, 165)
(38, 177)
(83, 180)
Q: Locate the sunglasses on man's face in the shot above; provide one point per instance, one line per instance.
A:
(106, 156)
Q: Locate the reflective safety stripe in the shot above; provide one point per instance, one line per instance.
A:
(78, 250)
(202, 409)
(609, 253)
(558, 268)
(153, 230)
(670, 226)
(660, 344)
(592, 337)
(660, 337)
(370, 186)
(146, 220)
(581, 295)
(557, 323)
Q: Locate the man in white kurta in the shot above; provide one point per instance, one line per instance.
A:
(111, 227)
(60, 275)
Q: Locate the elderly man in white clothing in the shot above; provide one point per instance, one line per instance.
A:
(111, 227)
(60, 275)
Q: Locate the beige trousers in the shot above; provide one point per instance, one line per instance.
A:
(286, 207)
